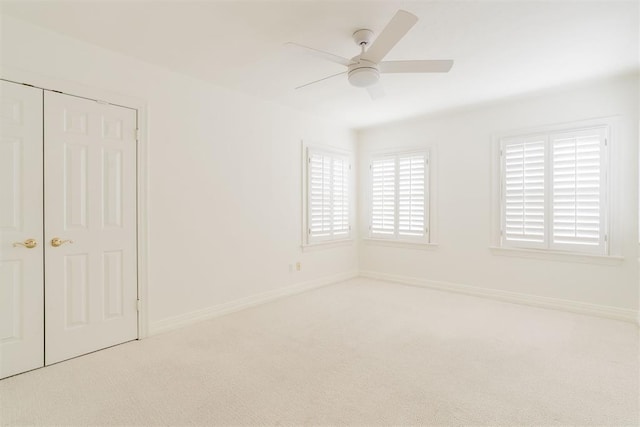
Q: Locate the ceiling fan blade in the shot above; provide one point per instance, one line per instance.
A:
(320, 53)
(399, 25)
(376, 91)
(419, 66)
(322, 79)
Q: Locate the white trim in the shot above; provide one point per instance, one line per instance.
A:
(610, 121)
(143, 224)
(608, 312)
(401, 151)
(327, 244)
(400, 244)
(551, 255)
(71, 88)
(182, 320)
(139, 104)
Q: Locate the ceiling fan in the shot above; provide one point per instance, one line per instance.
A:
(364, 69)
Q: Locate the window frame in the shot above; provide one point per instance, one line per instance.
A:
(604, 248)
(308, 240)
(396, 236)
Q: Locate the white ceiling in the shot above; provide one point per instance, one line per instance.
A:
(500, 49)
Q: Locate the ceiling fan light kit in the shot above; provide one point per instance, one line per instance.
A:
(364, 70)
(362, 75)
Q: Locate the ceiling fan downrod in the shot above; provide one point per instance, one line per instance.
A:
(363, 73)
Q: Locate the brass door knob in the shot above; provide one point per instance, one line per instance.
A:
(56, 241)
(29, 243)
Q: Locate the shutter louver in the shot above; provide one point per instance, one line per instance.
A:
(328, 196)
(411, 195)
(524, 191)
(383, 175)
(577, 188)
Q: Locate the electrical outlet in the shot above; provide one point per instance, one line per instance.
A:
(298, 266)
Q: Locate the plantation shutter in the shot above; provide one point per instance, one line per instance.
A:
(554, 192)
(411, 196)
(399, 199)
(524, 192)
(340, 199)
(578, 189)
(327, 196)
(319, 194)
(383, 195)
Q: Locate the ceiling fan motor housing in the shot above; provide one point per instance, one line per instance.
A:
(363, 73)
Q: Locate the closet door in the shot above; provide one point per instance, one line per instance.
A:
(21, 272)
(90, 226)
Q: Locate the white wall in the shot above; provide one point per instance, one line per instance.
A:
(224, 173)
(225, 182)
(463, 142)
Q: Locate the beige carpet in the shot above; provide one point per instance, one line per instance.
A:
(359, 352)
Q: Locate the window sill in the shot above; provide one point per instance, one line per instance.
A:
(329, 244)
(401, 244)
(557, 256)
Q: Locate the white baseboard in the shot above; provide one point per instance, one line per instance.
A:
(181, 320)
(608, 312)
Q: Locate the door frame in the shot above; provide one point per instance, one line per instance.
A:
(142, 160)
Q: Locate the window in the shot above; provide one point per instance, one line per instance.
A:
(399, 197)
(553, 190)
(327, 210)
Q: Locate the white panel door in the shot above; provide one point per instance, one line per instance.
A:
(21, 263)
(90, 205)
